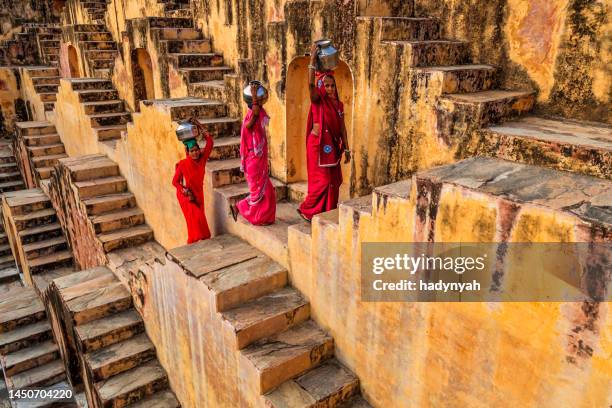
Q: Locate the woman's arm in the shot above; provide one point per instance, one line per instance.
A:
(314, 94)
(255, 108)
(210, 143)
(347, 151)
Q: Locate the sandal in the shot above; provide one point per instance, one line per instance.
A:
(303, 216)
(234, 212)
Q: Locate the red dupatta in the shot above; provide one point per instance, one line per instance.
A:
(330, 113)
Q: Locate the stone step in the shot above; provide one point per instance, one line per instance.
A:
(162, 399)
(47, 161)
(11, 186)
(39, 233)
(3, 237)
(13, 176)
(132, 386)
(162, 22)
(8, 167)
(7, 261)
(98, 45)
(109, 330)
(480, 109)
(232, 193)
(208, 89)
(49, 106)
(409, 29)
(92, 95)
(86, 28)
(224, 148)
(48, 96)
(34, 219)
(7, 158)
(458, 78)
(92, 108)
(106, 203)
(110, 132)
(44, 375)
(120, 357)
(245, 281)
(54, 80)
(356, 402)
(33, 128)
(49, 43)
(580, 147)
(172, 33)
(43, 71)
(185, 46)
(5, 249)
(127, 237)
(272, 361)
(25, 336)
(8, 275)
(58, 259)
(47, 150)
(99, 303)
(328, 385)
(201, 74)
(42, 140)
(212, 112)
(31, 357)
(266, 315)
(96, 84)
(110, 119)
(97, 54)
(101, 186)
(434, 53)
(102, 63)
(44, 173)
(221, 126)
(46, 247)
(91, 167)
(52, 58)
(115, 220)
(19, 308)
(224, 172)
(197, 60)
(46, 88)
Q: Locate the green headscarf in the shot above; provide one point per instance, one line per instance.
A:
(189, 143)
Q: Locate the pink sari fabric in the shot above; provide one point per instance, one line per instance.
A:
(323, 163)
(260, 206)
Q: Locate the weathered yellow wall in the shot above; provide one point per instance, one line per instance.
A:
(9, 93)
(28, 92)
(452, 354)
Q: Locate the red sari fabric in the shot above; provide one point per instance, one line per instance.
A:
(260, 206)
(323, 155)
(190, 173)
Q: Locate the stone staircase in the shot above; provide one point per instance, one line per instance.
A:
(97, 197)
(185, 50)
(37, 236)
(118, 359)
(29, 356)
(49, 39)
(39, 147)
(287, 358)
(101, 104)
(45, 81)
(96, 9)
(176, 8)
(97, 47)
(10, 178)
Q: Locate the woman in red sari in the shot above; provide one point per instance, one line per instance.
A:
(326, 141)
(259, 208)
(189, 182)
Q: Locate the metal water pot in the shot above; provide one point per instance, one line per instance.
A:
(246, 93)
(327, 56)
(186, 130)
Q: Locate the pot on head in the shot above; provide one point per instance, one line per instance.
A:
(327, 56)
(186, 130)
(246, 93)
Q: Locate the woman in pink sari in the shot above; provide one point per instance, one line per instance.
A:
(259, 208)
(326, 141)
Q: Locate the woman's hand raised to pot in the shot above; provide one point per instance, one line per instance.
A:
(313, 53)
(254, 89)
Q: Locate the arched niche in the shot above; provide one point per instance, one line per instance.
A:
(73, 62)
(297, 108)
(142, 74)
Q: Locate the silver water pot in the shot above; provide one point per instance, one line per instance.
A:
(186, 130)
(246, 93)
(327, 56)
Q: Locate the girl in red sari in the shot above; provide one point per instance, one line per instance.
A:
(326, 141)
(189, 182)
(259, 208)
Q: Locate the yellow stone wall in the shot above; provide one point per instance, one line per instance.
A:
(473, 354)
(28, 92)
(9, 93)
